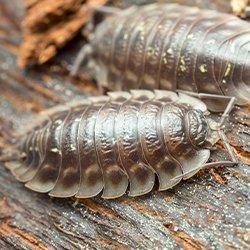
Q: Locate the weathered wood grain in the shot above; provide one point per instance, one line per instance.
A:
(207, 212)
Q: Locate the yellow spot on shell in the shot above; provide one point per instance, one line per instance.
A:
(164, 58)
(170, 51)
(183, 68)
(228, 69)
(183, 64)
(150, 51)
(72, 147)
(56, 150)
(203, 68)
(182, 60)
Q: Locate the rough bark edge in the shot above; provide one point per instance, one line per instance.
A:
(48, 27)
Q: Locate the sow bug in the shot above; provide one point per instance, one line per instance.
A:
(171, 47)
(107, 143)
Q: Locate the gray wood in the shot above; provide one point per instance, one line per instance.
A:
(208, 211)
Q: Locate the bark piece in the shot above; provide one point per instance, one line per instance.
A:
(49, 25)
(239, 7)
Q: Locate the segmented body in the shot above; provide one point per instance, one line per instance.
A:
(105, 144)
(169, 46)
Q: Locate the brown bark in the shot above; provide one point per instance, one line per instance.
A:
(239, 7)
(48, 26)
(208, 211)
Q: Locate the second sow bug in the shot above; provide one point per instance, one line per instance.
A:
(109, 143)
(169, 46)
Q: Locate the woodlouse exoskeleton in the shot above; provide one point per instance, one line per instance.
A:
(105, 143)
(171, 47)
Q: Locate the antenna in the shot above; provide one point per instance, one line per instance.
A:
(226, 112)
(219, 129)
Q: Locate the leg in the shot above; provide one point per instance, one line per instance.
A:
(88, 29)
(229, 107)
(218, 129)
(84, 53)
(88, 32)
(227, 146)
(222, 136)
(231, 102)
(207, 165)
(215, 164)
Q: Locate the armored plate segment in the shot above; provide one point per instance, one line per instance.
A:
(112, 143)
(171, 47)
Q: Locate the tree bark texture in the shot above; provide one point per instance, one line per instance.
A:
(209, 211)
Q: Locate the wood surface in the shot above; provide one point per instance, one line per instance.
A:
(208, 211)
